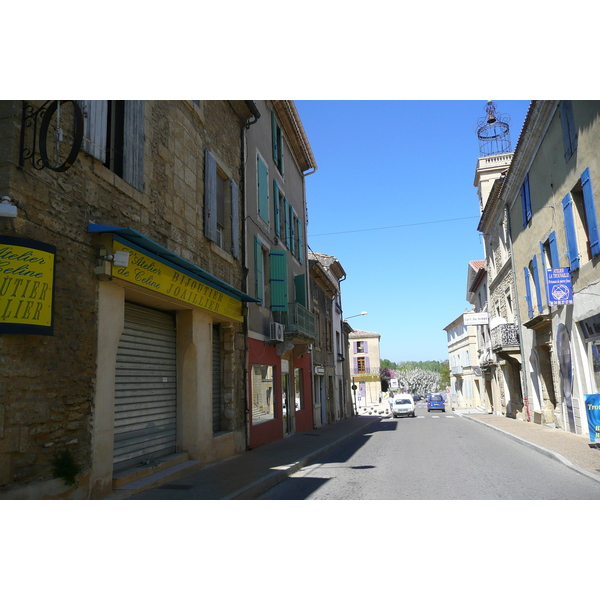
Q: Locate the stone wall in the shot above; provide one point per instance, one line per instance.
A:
(47, 383)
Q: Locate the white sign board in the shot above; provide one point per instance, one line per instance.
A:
(394, 384)
(476, 318)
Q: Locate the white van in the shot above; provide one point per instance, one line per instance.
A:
(403, 405)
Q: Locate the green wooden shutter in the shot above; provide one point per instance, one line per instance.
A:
(300, 289)
(300, 241)
(274, 137)
(276, 208)
(263, 190)
(278, 280)
(258, 270)
(286, 219)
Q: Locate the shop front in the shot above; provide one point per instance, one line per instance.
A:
(280, 393)
(170, 361)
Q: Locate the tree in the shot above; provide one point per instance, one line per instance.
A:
(445, 375)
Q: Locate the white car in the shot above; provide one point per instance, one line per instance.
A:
(403, 405)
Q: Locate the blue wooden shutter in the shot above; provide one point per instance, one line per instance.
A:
(276, 208)
(95, 127)
(263, 190)
(569, 221)
(569, 132)
(258, 270)
(367, 364)
(553, 250)
(590, 212)
(544, 274)
(133, 143)
(356, 364)
(365, 347)
(278, 280)
(528, 293)
(526, 201)
(210, 196)
(536, 281)
(235, 220)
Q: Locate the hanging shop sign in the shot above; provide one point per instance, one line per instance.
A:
(481, 318)
(592, 408)
(560, 288)
(150, 273)
(26, 286)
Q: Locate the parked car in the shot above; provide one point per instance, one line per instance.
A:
(435, 402)
(403, 405)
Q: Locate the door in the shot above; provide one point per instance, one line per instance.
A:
(145, 422)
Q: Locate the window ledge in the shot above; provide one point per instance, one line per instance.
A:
(220, 252)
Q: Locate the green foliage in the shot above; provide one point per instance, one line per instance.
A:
(444, 374)
(65, 467)
(426, 365)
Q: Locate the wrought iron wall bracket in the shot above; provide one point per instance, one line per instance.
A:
(36, 135)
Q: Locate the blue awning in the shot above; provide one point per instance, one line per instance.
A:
(144, 244)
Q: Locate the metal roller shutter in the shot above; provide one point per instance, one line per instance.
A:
(145, 388)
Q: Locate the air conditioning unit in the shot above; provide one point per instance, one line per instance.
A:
(276, 332)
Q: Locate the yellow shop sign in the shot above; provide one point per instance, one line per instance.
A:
(155, 275)
(26, 286)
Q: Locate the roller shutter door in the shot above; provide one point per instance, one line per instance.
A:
(145, 388)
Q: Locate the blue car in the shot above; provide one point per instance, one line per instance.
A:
(435, 402)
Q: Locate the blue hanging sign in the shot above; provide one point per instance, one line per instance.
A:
(592, 408)
(560, 288)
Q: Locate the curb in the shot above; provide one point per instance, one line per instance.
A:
(540, 449)
(260, 486)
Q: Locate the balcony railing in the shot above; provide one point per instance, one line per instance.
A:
(298, 321)
(504, 336)
(372, 371)
(457, 370)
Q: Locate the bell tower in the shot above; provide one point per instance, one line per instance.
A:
(495, 154)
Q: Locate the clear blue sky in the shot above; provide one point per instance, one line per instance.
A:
(393, 199)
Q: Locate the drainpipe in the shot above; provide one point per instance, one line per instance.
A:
(514, 274)
(256, 115)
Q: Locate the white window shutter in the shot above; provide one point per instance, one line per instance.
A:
(95, 126)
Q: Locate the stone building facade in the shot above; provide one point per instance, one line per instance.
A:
(365, 365)
(141, 236)
(552, 192)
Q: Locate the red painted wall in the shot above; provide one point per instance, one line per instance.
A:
(265, 433)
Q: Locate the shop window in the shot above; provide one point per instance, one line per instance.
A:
(299, 392)
(263, 394)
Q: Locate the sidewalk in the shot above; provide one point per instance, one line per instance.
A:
(248, 475)
(575, 451)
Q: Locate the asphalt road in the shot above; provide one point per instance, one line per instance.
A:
(434, 456)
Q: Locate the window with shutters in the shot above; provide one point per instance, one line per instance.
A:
(221, 207)
(261, 265)
(278, 281)
(361, 364)
(526, 202)
(113, 132)
(262, 178)
(360, 347)
(569, 132)
(580, 221)
(277, 139)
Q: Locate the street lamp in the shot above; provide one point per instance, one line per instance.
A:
(358, 315)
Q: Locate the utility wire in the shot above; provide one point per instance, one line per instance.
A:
(391, 227)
